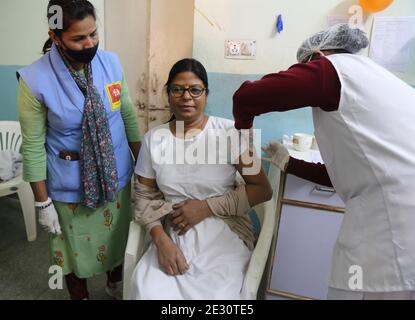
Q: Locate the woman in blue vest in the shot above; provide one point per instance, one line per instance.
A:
(78, 128)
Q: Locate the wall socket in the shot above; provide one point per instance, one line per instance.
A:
(240, 49)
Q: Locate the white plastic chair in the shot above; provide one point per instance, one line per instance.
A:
(11, 139)
(138, 241)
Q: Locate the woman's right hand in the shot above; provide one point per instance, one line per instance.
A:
(48, 217)
(171, 258)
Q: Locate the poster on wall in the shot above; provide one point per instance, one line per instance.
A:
(393, 42)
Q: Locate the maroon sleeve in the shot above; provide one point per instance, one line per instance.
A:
(314, 172)
(315, 83)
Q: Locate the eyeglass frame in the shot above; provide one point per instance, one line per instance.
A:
(169, 90)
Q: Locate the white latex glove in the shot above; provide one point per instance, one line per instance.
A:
(277, 153)
(48, 217)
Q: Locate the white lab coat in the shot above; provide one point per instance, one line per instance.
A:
(367, 146)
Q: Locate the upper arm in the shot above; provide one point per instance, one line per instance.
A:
(32, 117)
(29, 108)
(146, 175)
(258, 188)
(144, 165)
(249, 166)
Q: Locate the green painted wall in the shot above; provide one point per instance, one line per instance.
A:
(8, 92)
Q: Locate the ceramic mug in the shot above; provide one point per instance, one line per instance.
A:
(302, 141)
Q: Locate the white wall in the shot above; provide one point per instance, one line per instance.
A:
(24, 29)
(256, 19)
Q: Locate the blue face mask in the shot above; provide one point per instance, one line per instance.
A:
(83, 56)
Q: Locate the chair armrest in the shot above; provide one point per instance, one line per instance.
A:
(259, 256)
(136, 245)
(7, 187)
(267, 213)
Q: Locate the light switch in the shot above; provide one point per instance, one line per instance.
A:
(240, 49)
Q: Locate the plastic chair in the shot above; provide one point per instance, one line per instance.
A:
(138, 241)
(11, 139)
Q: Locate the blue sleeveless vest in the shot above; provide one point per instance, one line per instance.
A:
(51, 83)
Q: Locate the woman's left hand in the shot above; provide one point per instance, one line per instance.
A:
(188, 214)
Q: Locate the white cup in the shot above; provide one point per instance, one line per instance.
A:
(302, 141)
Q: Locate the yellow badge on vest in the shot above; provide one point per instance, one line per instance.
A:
(114, 95)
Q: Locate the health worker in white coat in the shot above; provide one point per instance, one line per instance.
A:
(364, 125)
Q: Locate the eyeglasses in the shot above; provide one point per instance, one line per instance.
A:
(194, 91)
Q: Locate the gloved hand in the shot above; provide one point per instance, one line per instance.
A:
(279, 155)
(48, 217)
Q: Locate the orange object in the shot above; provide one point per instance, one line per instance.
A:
(375, 5)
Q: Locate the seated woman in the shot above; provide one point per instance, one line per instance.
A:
(198, 220)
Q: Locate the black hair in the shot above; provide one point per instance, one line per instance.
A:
(72, 10)
(340, 51)
(188, 65)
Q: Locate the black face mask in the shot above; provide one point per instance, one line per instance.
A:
(83, 56)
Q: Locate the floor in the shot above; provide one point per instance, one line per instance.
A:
(24, 265)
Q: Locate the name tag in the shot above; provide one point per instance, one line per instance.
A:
(114, 95)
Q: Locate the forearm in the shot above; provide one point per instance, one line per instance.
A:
(309, 84)
(40, 191)
(274, 92)
(158, 235)
(314, 172)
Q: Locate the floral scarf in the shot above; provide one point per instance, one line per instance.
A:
(98, 165)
